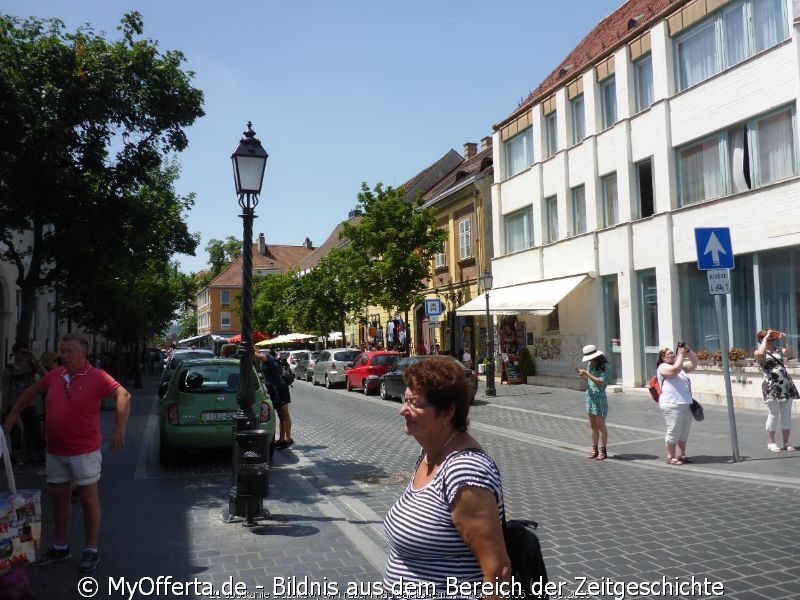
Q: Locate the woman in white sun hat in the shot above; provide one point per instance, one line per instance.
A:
(596, 375)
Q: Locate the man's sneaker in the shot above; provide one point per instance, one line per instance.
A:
(89, 561)
(54, 555)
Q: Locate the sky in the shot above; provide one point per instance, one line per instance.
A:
(339, 92)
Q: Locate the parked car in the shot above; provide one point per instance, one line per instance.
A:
(305, 366)
(366, 370)
(393, 383)
(197, 406)
(294, 357)
(331, 366)
(178, 356)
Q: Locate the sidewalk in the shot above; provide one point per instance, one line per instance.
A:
(636, 432)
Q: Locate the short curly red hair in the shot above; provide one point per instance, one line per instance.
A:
(441, 381)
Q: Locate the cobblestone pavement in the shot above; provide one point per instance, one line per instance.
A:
(629, 519)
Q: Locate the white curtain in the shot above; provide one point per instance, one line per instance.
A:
(611, 212)
(518, 230)
(701, 177)
(735, 36)
(774, 141)
(768, 23)
(578, 210)
(737, 138)
(552, 219)
(697, 56)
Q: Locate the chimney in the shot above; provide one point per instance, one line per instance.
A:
(470, 149)
(307, 243)
(262, 245)
(486, 143)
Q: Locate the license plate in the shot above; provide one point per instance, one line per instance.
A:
(213, 417)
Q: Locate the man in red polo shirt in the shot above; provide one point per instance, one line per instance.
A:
(74, 393)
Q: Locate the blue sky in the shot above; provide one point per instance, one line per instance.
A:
(339, 91)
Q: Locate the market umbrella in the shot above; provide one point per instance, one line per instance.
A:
(257, 337)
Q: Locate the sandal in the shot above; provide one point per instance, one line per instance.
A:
(685, 459)
(593, 453)
(673, 461)
(602, 455)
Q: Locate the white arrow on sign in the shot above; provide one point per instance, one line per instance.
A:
(715, 248)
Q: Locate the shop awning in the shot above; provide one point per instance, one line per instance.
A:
(537, 298)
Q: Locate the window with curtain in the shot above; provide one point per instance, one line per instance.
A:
(578, 209)
(735, 32)
(519, 152)
(608, 101)
(225, 320)
(551, 214)
(550, 134)
(518, 229)
(440, 260)
(465, 239)
(578, 119)
(610, 204)
(751, 154)
(225, 297)
(643, 82)
(780, 297)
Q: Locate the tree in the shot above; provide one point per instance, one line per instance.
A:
(187, 323)
(88, 128)
(271, 308)
(391, 249)
(220, 254)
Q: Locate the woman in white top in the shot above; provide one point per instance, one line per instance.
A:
(466, 358)
(676, 399)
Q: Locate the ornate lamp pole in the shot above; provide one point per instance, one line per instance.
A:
(249, 163)
(486, 281)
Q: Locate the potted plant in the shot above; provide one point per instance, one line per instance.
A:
(526, 364)
(704, 357)
(736, 356)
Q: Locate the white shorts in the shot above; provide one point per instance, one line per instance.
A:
(81, 469)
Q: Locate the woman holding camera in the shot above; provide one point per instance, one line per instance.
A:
(675, 401)
(778, 389)
(596, 375)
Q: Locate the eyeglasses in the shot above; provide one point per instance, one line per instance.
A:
(416, 407)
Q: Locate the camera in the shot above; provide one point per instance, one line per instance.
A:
(681, 345)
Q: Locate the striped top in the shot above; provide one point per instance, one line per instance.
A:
(425, 548)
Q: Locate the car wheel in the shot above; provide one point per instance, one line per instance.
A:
(328, 383)
(364, 388)
(166, 456)
(384, 393)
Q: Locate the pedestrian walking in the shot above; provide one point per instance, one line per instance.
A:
(596, 375)
(675, 401)
(466, 358)
(74, 395)
(448, 521)
(18, 376)
(777, 388)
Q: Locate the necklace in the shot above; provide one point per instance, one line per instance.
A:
(432, 460)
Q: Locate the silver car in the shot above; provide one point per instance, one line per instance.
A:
(305, 366)
(331, 366)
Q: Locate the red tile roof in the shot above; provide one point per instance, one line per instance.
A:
(277, 256)
(482, 161)
(607, 36)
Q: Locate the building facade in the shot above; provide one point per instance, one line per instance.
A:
(668, 116)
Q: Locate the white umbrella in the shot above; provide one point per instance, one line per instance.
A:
(298, 337)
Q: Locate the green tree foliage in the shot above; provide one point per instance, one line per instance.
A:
(88, 128)
(391, 250)
(319, 299)
(187, 323)
(271, 309)
(221, 253)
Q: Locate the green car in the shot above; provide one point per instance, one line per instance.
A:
(197, 406)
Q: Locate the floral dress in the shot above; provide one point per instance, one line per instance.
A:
(777, 384)
(596, 399)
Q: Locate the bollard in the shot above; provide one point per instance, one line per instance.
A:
(251, 474)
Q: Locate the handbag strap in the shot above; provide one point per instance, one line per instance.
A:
(4, 450)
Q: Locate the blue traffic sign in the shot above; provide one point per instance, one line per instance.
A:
(433, 307)
(714, 248)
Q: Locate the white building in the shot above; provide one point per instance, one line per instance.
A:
(668, 116)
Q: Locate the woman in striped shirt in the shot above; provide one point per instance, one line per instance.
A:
(445, 531)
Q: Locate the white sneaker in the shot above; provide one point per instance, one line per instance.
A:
(773, 447)
(789, 448)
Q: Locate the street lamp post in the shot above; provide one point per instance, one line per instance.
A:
(250, 444)
(486, 281)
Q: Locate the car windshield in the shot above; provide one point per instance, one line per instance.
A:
(345, 355)
(384, 360)
(177, 359)
(211, 379)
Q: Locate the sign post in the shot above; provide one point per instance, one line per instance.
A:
(715, 256)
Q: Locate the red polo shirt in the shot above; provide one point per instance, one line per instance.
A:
(72, 414)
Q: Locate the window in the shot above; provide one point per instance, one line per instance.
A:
(225, 297)
(552, 320)
(578, 119)
(465, 239)
(727, 37)
(608, 102)
(748, 155)
(441, 257)
(648, 325)
(518, 227)
(578, 210)
(225, 320)
(519, 152)
(643, 82)
(610, 207)
(551, 216)
(644, 177)
(550, 134)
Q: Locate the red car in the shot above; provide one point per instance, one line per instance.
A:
(366, 370)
